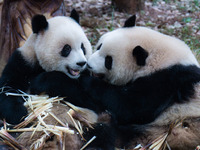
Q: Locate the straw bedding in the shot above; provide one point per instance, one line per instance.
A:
(51, 124)
(55, 124)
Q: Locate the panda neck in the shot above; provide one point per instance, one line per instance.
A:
(28, 51)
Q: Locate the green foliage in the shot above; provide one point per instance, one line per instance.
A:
(111, 26)
(155, 2)
(150, 24)
(196, 2)
(186, 20)
(167, 1)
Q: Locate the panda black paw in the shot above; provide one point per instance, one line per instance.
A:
(12, 109)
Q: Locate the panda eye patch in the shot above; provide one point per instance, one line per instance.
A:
(108, 62)
(83, 48)
(66, 50)
(98, 48)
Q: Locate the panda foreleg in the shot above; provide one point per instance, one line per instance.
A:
(12, 108)
(58, 84)
(54, 83)
(15, 77)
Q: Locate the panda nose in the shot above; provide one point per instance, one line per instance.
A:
(81, 63)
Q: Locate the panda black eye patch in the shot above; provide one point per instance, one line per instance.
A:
(83, 48)
(108, 62)
(66, 50)
(98, 48)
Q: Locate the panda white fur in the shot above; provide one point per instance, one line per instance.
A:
(58, 44)
(158, 75)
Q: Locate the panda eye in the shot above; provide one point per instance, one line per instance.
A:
(108, 62)
(66, 50)
(98, 48)
(83, 48)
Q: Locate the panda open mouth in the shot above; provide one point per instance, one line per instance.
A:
(73, 72)
(98, 75)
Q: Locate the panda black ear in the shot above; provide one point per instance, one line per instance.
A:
(39, 23)
(141, 55)
(130, 22)
(75, 15)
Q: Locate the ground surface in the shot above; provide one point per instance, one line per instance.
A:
(179, 18)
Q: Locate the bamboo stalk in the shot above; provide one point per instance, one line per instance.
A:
(92, 139)
(11, 140)
(59, 121)
(75, 124)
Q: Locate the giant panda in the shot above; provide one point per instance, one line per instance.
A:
(58, 44)
(158, 75)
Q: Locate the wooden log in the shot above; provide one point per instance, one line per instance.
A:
(129, 6)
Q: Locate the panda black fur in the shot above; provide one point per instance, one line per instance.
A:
(157, 78)
(58, 44)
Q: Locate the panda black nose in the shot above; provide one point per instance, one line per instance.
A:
(81, 63)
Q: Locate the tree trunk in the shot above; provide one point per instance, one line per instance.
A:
(130, 6)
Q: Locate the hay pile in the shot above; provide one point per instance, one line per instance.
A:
(53, 123)
(50, 118)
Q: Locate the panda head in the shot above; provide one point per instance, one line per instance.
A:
(60, 44)
(130, 52)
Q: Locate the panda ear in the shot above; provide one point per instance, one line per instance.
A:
(39, 23)
(140, 54)
(130, 22)
(75, 15)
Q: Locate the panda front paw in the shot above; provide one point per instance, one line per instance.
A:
(12, 109)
